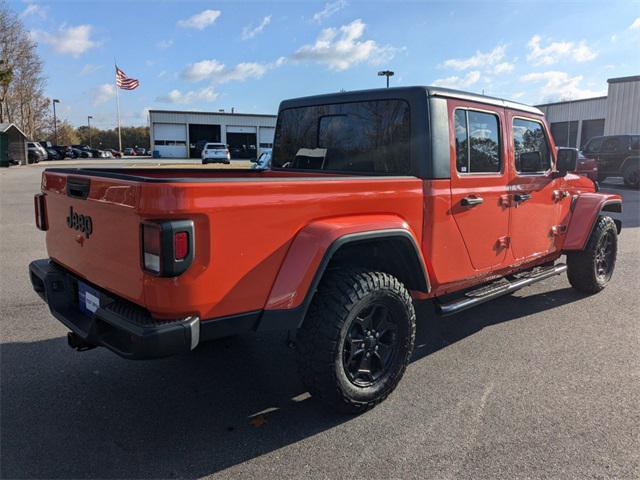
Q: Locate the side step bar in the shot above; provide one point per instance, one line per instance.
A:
(484, 293)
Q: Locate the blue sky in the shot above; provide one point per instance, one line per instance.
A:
(210, 55)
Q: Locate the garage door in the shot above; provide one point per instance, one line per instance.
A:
(232, 129)
(170, 139)
(266, 136)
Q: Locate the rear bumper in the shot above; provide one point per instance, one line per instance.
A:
(122, 327)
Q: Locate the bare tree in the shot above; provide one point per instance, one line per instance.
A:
(22, 99)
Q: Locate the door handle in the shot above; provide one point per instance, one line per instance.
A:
(521, 197)
(471, 201)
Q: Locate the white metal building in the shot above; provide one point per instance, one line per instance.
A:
(176, 134)
(574, 122)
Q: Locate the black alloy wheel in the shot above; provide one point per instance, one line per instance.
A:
(370, 345)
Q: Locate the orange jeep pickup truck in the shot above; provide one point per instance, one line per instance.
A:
(375, 200)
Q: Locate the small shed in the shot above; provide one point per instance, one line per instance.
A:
(13, 145)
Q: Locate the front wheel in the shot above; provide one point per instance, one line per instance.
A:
(591, 269)
(357, 339)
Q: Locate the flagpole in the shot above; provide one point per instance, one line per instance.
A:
(118, 108)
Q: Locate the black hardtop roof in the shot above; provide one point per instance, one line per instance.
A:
(406, 93)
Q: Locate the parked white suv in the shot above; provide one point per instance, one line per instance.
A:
(216, 153)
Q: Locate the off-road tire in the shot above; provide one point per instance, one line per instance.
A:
(631, 175)
(582, 266)
(341, 297)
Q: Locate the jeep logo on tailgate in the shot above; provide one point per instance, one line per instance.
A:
(80, 222)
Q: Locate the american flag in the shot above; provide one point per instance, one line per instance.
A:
(124, 82)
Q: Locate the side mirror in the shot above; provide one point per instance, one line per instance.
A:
(567, 160)
(530, 162)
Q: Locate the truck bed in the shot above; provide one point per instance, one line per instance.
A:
(244, 224)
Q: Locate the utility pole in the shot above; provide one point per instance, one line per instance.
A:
(386, 73)
(55, 125)
(89, 123)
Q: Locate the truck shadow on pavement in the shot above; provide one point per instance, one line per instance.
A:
(94, 415)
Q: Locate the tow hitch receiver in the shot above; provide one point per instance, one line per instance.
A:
(76, 342)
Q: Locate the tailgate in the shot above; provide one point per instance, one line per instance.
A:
(94, 230)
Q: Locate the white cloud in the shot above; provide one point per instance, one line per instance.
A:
(177, 97)
(89, 68)
(103, 93)
(635, 24)
(557, 51)
(478, 60)
(69, 40)
(218, 72)
(163, 44)
(201, 20)
(249, 31)
(561, 86)
(504, 67)
(34, 9)
(329, 9)
(458, 82)
(342, 48)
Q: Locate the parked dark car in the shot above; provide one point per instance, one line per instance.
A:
(65, 151)
(83, 148)
(130, 152)
(616, 156)
(53, 154)
(81, 153)
(141, 151)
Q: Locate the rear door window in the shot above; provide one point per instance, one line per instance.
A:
(371, 137)
(477, 142)
(531, 147)
(611, 145)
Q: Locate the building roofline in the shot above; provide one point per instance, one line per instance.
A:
(7, 126)
(571, 101)
(632, 78)
(192, 112)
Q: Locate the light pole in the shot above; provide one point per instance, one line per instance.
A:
(386, 73)
(89, 123)
(55, 126)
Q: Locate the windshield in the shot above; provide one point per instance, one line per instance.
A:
(215, 146)
(371, 136)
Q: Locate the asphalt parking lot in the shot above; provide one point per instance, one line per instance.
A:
(541, 384)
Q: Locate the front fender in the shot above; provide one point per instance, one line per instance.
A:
(585, 211)
(312, 248)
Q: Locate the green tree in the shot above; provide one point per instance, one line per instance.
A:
(67, 134)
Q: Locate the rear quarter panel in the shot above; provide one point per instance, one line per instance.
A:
(244, 229)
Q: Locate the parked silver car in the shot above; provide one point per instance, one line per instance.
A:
(36, 152)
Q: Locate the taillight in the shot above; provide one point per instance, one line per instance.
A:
(167, 246)
(151, 247)
(181, 245)
(40, 211)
